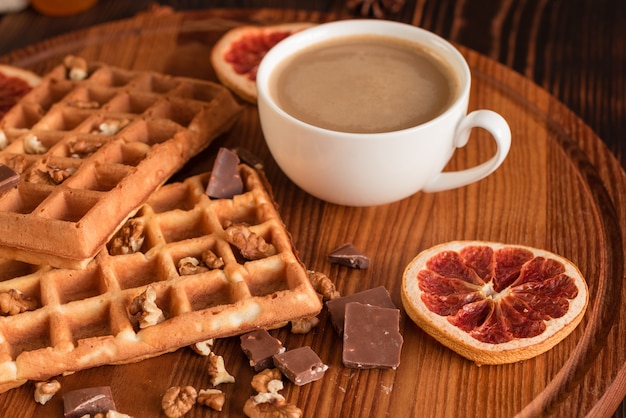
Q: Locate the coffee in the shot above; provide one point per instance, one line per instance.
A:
(365, 84)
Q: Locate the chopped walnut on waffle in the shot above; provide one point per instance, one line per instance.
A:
(68, 320)
(91, 142)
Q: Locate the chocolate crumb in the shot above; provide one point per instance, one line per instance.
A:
(348, 255)
(249, 158)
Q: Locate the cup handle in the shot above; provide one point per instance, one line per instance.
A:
(498, 128)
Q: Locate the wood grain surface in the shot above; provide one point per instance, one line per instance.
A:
(560, 189)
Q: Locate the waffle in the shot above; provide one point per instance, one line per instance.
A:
(85, 318)
(91, 151)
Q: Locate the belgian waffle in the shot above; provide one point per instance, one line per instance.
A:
(79, 319)
(90, 152)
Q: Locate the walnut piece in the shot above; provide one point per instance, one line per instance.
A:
(251, 245)
(4, 141)
(217, 370)
(190, 265)
(17, 163)
(15, 302)
(260, 381)
(32, 145)
(82, 149)
(304, 325)
(44, 391)
(146, 309)
(109, 414)
(76, 67)
(211, 260)
(50, 174)
(323, 285)
(83, 104)
(129, 238)
(275, 407)
(204, 348)
(115, 414)
(213, 398)
(178, 400)
(112, 126)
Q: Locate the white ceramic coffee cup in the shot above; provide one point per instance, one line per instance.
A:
(367, 169)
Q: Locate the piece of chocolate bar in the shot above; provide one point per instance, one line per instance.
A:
(249, 158)
(371, 337)
(225, 181)
(259, 346)
(348, 255)
(88, 401)
(378, 296)
(300, 365)
(8, 178)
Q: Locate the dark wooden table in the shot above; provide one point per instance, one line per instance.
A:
(574, 49)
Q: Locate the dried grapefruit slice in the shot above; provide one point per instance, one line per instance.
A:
(494, 303)
(14, 83)
(237, 54)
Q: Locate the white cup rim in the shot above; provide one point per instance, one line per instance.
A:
(325, 31)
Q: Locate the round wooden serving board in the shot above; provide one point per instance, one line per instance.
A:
(559, 189)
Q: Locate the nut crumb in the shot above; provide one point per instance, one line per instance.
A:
(217, 370)
(50, 174)
(129, 238)
(110, 127)
(4, 141)
(261, 380)
(190, 265)
(323, 285)
(82, 149)
(116, 414)
(251, 245)
(275, 407)
(83, 104)
(213, 398)
(44, 391)
(146, 309)
(32, 145)
(15, 302)
(109, 414)
(76, 67)
(177, 401)
(304, 325)
(211, 260)
(203, 348)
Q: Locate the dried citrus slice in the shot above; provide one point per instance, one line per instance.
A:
(237, 54)
(14, 83)
(494, 303)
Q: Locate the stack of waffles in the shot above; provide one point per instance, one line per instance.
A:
(102, 263)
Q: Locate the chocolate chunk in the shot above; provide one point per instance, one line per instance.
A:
(300, 365)
(348, 255)
(225, 181)
(249, 158)
(371, 337)
(88, 401)
(378, 296)
(260, 346)
(8, 178)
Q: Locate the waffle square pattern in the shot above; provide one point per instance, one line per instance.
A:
(144, 295)
(91, 150)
